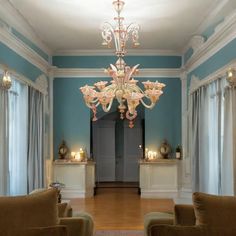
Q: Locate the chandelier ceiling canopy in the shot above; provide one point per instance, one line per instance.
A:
(123, 87)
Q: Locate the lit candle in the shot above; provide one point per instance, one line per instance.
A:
(77, 156)
(72, 154)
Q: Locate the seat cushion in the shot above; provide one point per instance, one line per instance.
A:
(214, 211)
(35, 210)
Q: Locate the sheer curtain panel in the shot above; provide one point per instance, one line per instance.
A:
(18, 140)
(4, 142)
(35, 140)
(211, 132)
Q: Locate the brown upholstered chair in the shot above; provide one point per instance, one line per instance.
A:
(209, 215)
(39, 214)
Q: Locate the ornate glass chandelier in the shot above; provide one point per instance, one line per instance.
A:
(123, 87)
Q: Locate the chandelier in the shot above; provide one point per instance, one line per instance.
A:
(123, 87)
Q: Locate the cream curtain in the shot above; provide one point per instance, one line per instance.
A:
(4, 143)
(211, 133)
(35, 154)
(18, 139)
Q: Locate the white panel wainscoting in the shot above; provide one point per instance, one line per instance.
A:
(78, 177)
(159, 179)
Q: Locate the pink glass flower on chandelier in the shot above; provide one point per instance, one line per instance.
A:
(153, 94)
(105, 97)
(133, 100)
(101, 84)
(89, 93)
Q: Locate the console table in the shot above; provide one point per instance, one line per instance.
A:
(159, 179)
(78, 177)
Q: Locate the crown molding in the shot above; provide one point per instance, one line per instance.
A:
(99, 73)
(224, 34)
(109, 52)
(7, 38)
(19, 22)
(214, 10)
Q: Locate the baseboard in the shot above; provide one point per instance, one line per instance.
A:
(159, 194)
(75, 193)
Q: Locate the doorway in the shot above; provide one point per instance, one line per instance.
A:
(116, 150)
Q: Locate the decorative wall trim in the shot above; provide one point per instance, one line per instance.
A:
(7, 38)
(215, 8)
(197, 83)
(42, 83)
(109, 52)
(224, 33)
(68, 193)
(159, 193)
(196, 42)
(85, 73)
(21, 24)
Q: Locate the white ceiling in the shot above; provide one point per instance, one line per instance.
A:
(165, 24)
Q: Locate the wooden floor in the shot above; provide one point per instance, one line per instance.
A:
(119, 208)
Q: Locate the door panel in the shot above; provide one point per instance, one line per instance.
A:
(132, 154)
(104, 150)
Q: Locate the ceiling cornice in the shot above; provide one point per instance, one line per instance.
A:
(99, 73)
(109, 52)
(207, 21)
(224, 33)
(22, 49)
(18, 22)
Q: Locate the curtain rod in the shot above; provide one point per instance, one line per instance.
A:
(220, 73)
(22, 78)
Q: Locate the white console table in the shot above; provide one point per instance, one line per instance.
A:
(159, 179)
(78, 177)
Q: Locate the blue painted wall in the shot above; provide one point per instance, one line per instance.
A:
(105, 61)
(218, 60)
(72, 117)
(164, 120)
(19, 64)
(187, 55)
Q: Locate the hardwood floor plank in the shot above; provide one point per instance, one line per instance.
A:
(120, 208)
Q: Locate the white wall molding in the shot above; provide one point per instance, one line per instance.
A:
(42, 83)
(18, 22)
(109, 52)
(215, 8)
(224, 33)
(7, 38)
(197, 83)
(85, 73)
(196, 42)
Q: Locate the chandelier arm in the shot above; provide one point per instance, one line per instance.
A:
(106, 109)
(132, 27)
(146, 105)
(91, 104)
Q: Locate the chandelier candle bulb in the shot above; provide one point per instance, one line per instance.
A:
(123, 87)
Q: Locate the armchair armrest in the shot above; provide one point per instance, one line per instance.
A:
(81, 225)
(184, 215)
(157, 218)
